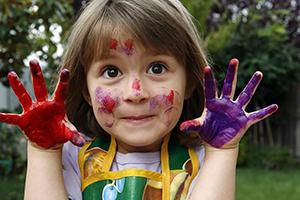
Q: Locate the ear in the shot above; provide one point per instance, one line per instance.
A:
(86, 96)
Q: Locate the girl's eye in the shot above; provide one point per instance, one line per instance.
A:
(157, 68)
(111, 72)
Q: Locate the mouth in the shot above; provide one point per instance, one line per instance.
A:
(138, 119)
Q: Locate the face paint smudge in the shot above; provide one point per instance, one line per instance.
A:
(136, 85)
(169, 102)
(170, 97)
(108, 103)
(128, 47)
(113, 44)
(106, 100)
(162, 100)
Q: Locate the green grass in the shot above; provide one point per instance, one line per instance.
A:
(252, 184)
(11, 188)
(261, 184)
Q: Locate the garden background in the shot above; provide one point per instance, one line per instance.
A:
(263, 34)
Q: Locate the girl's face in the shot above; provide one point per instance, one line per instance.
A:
(137, 95)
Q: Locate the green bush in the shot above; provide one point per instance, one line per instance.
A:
(265, 157)
(12, 150)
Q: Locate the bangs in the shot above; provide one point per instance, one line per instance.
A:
(143, 26)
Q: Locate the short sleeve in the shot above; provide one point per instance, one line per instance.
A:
(71, 172)
(200, 150)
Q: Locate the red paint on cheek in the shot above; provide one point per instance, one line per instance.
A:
(170, 97)
(109, 103)
(136, 85)
(113, 44)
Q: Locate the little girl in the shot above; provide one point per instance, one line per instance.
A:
(132, 83)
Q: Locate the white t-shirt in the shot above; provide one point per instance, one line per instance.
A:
(147, 161)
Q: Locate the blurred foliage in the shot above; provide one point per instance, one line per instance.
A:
(264, 35)
(259, 45)
(29, 26)
(12, 151)
(266, 157)
(200, 9)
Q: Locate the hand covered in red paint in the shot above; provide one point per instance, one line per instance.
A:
(224, 121)
(43, 121)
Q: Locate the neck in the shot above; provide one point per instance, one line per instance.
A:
(125, 148)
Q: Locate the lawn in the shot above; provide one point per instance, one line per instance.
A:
(11, 188)
(252, 184)
(261, 184)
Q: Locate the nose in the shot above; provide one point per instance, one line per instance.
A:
(135, 91)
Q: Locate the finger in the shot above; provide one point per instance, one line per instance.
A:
(230, 80)
(10, 118)
(190, 125)
(68, 132)
(262, 114)
(77, 139)
(61, 90)
(246, 95)
(38, 81)
(210, 84)
(19, 90)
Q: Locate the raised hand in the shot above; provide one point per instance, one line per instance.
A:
(224, 121)
(42, 121)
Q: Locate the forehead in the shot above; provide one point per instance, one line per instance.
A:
(106, 35)
(126, 43)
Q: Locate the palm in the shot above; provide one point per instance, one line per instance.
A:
(225, 121)
(42, 121)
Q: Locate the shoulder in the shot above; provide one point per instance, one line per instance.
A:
(200, 151)
(70, 151)
(71, 172)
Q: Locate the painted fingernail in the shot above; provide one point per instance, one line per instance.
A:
(12, 74)
(64, 75)
(34, 64)
(234, 61)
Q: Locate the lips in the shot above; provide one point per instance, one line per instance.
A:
(138, 120)
(140, 117)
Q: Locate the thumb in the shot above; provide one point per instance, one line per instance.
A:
(76, 138)
(191, 125)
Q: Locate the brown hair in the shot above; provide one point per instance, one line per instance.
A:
(162, 25)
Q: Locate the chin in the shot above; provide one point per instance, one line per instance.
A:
(141, 142)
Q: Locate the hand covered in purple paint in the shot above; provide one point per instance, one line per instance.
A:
(224, 121)
(43, 122)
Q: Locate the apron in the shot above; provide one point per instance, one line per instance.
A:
(179, 167)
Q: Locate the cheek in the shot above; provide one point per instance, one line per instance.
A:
(168, 103)
(105, 102)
